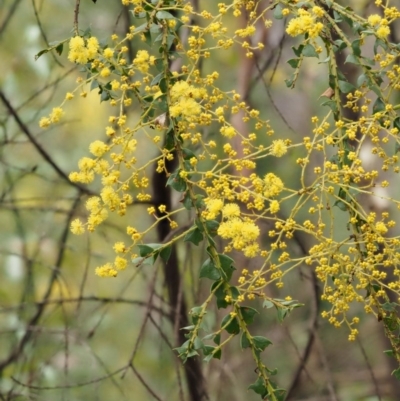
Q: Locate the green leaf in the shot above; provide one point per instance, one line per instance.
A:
(147, 37)
(332, 104)
(351, 58)
(289, 82)
(389, 352)
(268, 304)
(282, 313)
(145, 250)
(183, 348)
(341, 205)
(187, 154)
(177, 182)
(164, 15)
(340, 44)
(261, 342)
(195, 236)
(389, 306)
(309, 51)
(396, 123)
(195, 312)
(220, 294)
(157, 79)
(217, 354)
(209, 270)
(379, 43)
(391, 323)
(226, 265)
(165, 253)
(278, 12)
(199, 201)
(378, 106)
(233, 325)
(337, 16)
(209, 352)
(217, 339)
(59, 49)
(197, 343)
(361, 80)
(41, 53)
(248, 314)
(94, 84)
(355, 45)
(244, 341)
(298, 51)
(259, 387)
(212, 227)
(187, 201)
(234, 292)
(294, 62)
(345, 87)
(396, 373)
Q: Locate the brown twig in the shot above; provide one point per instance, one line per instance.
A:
(76, 16)
(37, 146)
(17, 350)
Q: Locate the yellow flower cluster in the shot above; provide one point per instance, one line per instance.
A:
(380, 24)
(81, 52)
(241, 233)
(306, 22)
(183, 103)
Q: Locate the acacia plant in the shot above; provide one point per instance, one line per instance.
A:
(230, 204)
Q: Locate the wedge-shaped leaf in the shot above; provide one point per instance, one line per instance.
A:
(220, 293)
(396, 373)
(351, 58)
(378, 106)
(309, 51)
(294, 62)
(355, 45)
(248, 314)
(345, 87)
(233, 326)
(147, 249)
(194, 236)
(226, 265)
(278, 12)
(209, 270)
(259, 387)
(165, 253)
(195, 313)
(261, 342)
(244, 341)
(209, 352)
(164, 15)
(212, 227)
(177, 182)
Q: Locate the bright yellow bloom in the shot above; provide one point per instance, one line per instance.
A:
(77, 227)
(278, 148)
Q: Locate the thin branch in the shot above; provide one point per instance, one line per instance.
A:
(37, 146)
(76, 17)
(18, 349)
(8, 17)
(43, 33)
(69, 385)
(147, 387)
(369, 367)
